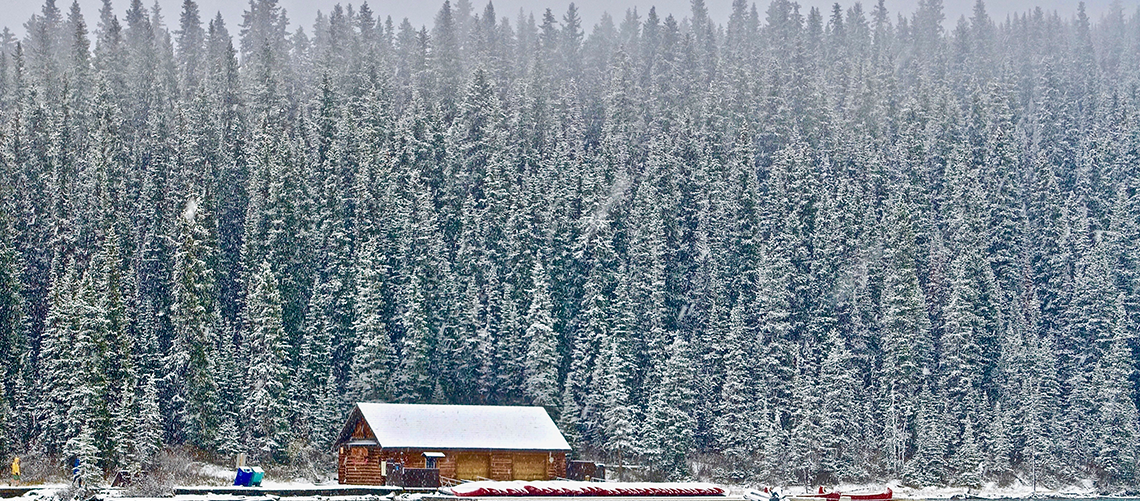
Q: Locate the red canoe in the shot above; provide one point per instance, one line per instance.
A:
(872, 496)
(852, 496)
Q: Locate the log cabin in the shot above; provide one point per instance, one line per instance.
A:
(465, 442)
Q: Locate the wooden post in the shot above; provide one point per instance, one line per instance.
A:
(621, 470)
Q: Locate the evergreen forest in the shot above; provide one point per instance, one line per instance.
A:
(795, 246)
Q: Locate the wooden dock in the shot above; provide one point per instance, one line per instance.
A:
(368, 490)
(332, 490)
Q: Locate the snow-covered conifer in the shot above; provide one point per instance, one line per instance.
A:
(372, 362)
(542, 357)
(737, 425)
(192, 359)
(669, 423)
(267, 378)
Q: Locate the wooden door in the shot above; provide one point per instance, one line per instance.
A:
(529, 467)
(473, 465)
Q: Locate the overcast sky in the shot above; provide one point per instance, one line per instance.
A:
(13, 13)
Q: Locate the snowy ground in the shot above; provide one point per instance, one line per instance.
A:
(224, 476)
(992, 491)
(989, 491)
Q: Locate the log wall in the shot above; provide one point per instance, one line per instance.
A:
(360, 465)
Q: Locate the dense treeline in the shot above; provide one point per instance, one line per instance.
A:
(823, 246)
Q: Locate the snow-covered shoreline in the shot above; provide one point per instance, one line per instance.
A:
(1085, 490)
(1017, 490)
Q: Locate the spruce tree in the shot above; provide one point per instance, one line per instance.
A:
(13, 334)
(1117, 416)
(190, 47)
(1039, 419)
(928, 466)
(618, 419)
(6, 432)
(839, 400)
(414, 381)
(192, 362)
(148, 425)
(60, 362)
(668, 428)
(267, 378)
(542, 358)
(804, 437)
(374, 357)
(905, 325)
(999, 448)
(738, 424)
(831, 209)
(83, 449)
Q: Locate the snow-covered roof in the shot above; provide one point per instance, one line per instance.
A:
(416, 426)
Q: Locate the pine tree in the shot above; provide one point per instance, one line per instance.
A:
(267, 431)
(192, 362)
(82, 447)
(13, 334)
(737, 424)
(148, 424)
(414, 382)
(1117, 416)
(839, 427)
(928, 465)
(998, 444)
(905, 328)
(542, 357)
(618, 412)
(668, 426)
(374, 357)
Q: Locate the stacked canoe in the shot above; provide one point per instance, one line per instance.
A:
(571, 488)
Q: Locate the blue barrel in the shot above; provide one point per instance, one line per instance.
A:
(258, 474)
(244, 476)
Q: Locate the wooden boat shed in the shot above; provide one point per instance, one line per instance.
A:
(465, 442)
